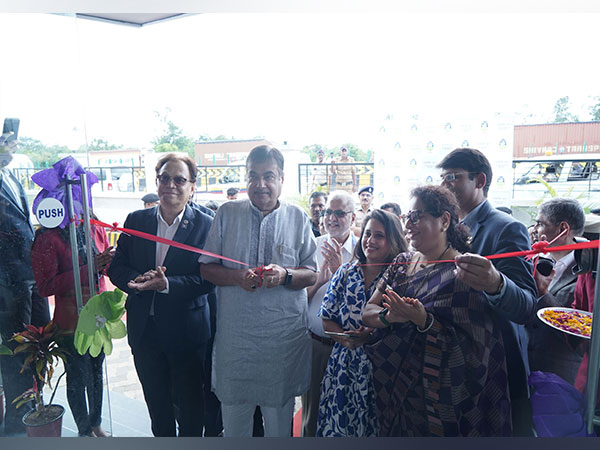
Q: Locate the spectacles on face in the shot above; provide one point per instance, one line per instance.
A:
(165, 180)
(412, 216)
(337, 213)
(268, 177)
(453, 176)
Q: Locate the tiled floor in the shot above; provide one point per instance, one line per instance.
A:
(124, 410)
(127, 412)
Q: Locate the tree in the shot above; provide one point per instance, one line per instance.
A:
(562, 113)
(595, 109)
(101, 144)
(40, 154)
(172, 135)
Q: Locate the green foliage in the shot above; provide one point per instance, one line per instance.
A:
(299, 200)
(101, 144)
(595, 109)
(561, 111)
(42, 353)
(41, 154)
(4, 350)
(176, 140)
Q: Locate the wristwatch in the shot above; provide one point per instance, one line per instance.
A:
(288, 277)
(382, 318)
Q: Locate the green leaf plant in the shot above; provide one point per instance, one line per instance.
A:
(42, 352)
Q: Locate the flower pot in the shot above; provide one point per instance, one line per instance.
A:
(48, 424)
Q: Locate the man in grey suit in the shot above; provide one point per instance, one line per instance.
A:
(507, 283)
(19, 301)
(561, 219)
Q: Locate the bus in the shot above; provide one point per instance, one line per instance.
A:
(574, 176)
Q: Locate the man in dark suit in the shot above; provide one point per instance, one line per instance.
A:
(19, 301)
(558, 220)
(167, 307)
(508, 283)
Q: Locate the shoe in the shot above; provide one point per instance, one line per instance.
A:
(99, 432)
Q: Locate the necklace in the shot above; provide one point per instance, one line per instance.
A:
(423, 265)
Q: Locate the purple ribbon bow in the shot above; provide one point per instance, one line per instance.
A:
(53, 181)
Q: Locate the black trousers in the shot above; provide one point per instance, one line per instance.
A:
(172, 381)
(19, 304)
(84, 387)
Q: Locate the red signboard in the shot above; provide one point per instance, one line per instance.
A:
(562, 139)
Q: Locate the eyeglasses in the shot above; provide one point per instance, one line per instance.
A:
(165, 180)
(336, 212)
(412, 216)
(269, 177)
(452, 176)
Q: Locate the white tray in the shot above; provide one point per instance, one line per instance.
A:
(557, 309)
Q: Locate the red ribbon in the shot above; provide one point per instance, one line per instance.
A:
(537, 248)
(152, 237)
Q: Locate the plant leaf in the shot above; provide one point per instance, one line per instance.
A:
(4, 350)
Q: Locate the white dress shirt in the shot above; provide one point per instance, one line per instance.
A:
(315, 323)
(564, 263)
(164, 230)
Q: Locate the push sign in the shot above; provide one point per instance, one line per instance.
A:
(50, 213)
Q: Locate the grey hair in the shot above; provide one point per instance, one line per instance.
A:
(557, 210)
(345, 197)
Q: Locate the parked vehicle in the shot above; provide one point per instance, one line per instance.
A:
(576, 176)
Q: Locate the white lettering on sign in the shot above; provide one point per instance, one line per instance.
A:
(50, 213)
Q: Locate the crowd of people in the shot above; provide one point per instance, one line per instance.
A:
(385, 324)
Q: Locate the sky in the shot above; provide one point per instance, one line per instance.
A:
(302, 78)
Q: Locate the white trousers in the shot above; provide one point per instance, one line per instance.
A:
(238, 419)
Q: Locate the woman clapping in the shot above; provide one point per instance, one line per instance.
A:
(439, 369)
(346, 406)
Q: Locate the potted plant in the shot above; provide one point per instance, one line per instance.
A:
(43, 352)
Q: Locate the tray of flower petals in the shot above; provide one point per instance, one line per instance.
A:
(568, 320)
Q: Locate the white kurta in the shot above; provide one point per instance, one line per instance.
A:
(262, 349)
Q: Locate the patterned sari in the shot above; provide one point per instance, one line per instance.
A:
(450, 380)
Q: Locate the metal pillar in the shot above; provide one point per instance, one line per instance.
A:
(74, 250)
(594, 362)
(88, 237)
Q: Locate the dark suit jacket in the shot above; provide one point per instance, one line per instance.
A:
(496, 232)
(182, 315)
(16, 235)
(549, 350)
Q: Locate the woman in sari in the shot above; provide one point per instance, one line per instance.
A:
(439, 368)
(346, 406)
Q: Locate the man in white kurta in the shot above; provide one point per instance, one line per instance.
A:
(262, 346)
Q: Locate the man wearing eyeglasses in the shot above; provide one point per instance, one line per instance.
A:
(333, 249)
(167, 307)
(262, 346)
(508, 283)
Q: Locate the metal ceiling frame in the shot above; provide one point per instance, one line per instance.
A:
(127, 19)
